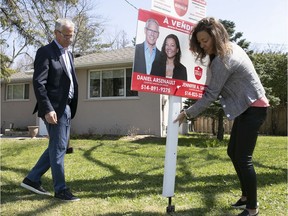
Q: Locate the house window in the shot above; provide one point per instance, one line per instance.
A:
(17, 91)
(129, 92)
(111, 83)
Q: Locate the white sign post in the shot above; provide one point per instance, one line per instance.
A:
(171, 151)
(173, 17)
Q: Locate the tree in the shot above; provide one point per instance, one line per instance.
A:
(134, 41)
(5, 61)
(272, 70)
(32, 23)
(236, 37)
(5, 71)
(87, 35)
(121, 40)
(215, 111)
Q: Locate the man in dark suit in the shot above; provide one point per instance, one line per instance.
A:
(147, 52)
(56, 90)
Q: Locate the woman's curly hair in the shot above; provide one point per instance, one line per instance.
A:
(219, 36)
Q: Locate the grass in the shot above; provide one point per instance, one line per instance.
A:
(117, 176)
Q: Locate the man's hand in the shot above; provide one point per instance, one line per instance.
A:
(51, 117)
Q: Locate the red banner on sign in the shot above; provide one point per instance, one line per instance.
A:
(166, 21)
(190, 78)
(162, 85)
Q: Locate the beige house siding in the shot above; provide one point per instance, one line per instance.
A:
(119, 116)
(123, 115)
(98, 116)
(18, 112)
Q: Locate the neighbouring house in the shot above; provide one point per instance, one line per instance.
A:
(106, 103)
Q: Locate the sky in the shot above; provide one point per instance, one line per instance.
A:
(262, 22)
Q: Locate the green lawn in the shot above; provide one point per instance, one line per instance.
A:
(124, 176)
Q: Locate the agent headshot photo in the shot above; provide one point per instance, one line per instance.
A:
(168, 65)
(147, 52)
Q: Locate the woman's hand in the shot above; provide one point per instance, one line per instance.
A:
(180, 118)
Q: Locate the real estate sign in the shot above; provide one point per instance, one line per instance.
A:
(176, 17)
(189, 10)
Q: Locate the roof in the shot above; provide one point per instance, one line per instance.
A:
(20, 77)
(111, 57)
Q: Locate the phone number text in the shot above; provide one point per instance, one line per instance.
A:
(153, 88)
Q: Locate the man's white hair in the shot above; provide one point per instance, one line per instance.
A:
(63, 22)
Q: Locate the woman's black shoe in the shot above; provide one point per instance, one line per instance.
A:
(246, 213)
(239, 204)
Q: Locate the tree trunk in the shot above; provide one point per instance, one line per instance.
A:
(213, 126)
(220, 133)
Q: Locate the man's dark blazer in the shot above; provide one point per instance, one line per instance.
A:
(159, 69)
(139, 59)
(52, 83)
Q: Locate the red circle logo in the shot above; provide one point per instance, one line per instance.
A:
(181, 7)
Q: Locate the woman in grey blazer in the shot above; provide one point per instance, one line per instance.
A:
(236, 84)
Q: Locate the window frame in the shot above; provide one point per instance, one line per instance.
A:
(25, 87)
(101, 71)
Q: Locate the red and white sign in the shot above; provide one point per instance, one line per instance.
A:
(166, 22)
(196, 75)
(162, 85)
(190, 10)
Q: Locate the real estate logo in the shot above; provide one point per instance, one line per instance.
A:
(181, 7)
(198, 71)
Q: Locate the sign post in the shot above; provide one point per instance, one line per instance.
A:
(171, 151)
(168, 17)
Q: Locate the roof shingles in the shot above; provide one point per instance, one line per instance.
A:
(118, 56)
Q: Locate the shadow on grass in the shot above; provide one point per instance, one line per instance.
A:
(188, 212)
(197, 140)
(131, 186)
(193, 139)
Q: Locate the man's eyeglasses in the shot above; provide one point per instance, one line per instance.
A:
(151, 31)
(65, 36)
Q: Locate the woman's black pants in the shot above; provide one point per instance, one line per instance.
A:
(241, 147)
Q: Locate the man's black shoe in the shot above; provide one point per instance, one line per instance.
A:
(66, 195)
(69, 150)
(34, 187)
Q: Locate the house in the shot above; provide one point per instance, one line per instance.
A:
(106, 103)
(17, 102)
